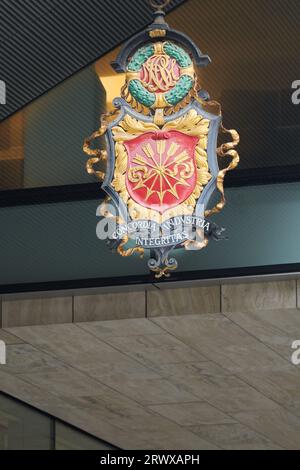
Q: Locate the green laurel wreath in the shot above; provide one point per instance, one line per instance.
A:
(172, 97)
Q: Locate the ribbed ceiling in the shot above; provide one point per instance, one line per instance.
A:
(43, 42)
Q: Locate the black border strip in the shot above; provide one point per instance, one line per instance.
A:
(149, 279)
(88, 191)
(262, 176)
(51, 194)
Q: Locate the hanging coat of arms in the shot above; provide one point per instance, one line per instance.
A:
(162, 157)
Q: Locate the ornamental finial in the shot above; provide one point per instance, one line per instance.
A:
(159, 6)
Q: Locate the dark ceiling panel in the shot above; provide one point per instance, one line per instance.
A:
(43, 42)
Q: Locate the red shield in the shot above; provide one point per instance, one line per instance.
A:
(161, 170)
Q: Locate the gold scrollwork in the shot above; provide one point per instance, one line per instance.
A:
(97, 155)
(137, 174)
(225, 150)
(129, 251)
(163, 272)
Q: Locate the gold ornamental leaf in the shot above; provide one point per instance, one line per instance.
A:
(121, 160)
(125, 196)
(198, 190)
(130, 128)
(201, 151)
(203, 142)
(191, 123)
(120, 135)
(131, 124)
(201, 163)
(191, 201)
(119, 182)
(203, 176)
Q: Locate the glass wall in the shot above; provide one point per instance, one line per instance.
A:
(254, 49)
(41, 146)
(22, 427)
(25, 428)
